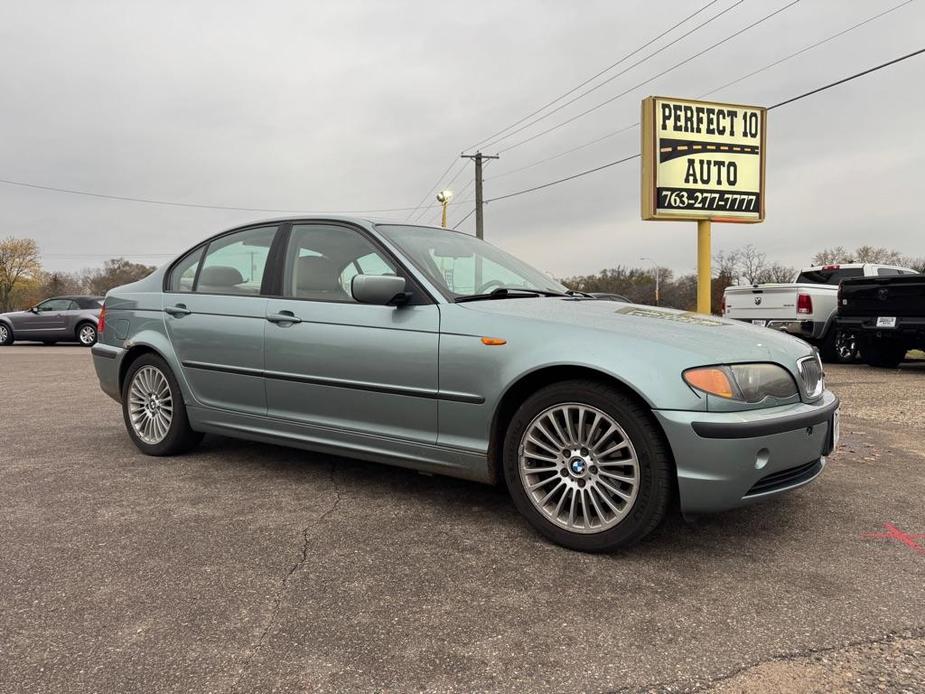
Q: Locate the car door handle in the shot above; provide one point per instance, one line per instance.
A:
(283, 317)
(178, 310)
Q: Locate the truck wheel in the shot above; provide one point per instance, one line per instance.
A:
(587, 466)
(885, 354)
(839, 347)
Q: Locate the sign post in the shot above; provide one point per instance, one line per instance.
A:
(703, 162)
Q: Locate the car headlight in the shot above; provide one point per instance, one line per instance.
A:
(749, 383)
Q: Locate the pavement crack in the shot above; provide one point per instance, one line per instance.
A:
(284, 583)
(679, 686)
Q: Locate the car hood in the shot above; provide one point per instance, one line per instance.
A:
(708, 338)
(10, 314)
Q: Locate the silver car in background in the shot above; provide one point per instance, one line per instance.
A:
(58, 319)
(433, 350)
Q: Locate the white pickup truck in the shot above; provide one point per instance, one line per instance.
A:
(806, 307)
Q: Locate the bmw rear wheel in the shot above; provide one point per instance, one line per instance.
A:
(153, 408)
(588, 466)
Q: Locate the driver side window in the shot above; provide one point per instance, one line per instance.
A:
(323, 259)
(54, 305)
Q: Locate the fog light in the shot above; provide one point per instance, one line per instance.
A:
(762, 458)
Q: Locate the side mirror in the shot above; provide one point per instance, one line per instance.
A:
(34, 309)
(379, 289)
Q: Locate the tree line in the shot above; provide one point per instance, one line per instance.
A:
(743, 266)
(24, 282)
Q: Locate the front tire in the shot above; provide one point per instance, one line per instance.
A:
(153, 409)
(587, 466)
(86, 334)
(6, 334)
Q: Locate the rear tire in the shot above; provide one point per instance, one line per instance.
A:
(86, 334)
(153, 409)
(839, 347)
(884, 353)
(588, 469)
(6, 335)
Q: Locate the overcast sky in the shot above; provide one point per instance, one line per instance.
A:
(357, 105)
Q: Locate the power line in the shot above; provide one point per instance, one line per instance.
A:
(613, 77)
(770, 108)
(847, 79)
(471, 212)
(650, 79)
(173, 203)
(705, 94)
(808, 48)
(594, 77)
(432, 189)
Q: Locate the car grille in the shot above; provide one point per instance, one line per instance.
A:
(812, 376)
(786, 478)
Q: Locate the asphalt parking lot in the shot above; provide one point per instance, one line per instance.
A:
(248, 567)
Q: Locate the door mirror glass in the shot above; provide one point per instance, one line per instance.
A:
(378, 289)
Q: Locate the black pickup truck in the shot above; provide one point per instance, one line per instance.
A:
(886, 315)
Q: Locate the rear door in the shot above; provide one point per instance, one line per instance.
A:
(348, 367)
(215, 313)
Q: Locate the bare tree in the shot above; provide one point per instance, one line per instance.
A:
(114, 273)
(777, 273)
(19, 263)
(752, 264)
(838, 254)
(883, 256)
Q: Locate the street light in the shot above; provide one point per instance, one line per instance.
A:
(443, 197)
(656, 277)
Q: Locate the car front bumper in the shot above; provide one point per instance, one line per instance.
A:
(730, 459)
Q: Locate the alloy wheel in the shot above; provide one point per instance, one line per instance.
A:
(150, 404)
(579, 468)
(87, 335)
(4, 334)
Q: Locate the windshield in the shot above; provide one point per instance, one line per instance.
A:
(462, 265)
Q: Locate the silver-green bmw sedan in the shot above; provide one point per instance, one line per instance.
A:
(433, 350)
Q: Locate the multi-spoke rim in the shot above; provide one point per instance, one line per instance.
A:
(87, 334)
(150, 404)
(4, 333)
(579, 468)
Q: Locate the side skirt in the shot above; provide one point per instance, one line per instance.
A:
(380, 449)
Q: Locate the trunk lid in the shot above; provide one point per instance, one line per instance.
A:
(902, 296)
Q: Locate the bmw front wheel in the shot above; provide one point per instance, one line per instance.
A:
(587, 466)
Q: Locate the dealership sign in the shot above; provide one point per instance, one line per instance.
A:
(702, 160)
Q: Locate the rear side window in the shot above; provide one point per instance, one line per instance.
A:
(887, 272)
(234, 264)
(833, 277)
(184, 272)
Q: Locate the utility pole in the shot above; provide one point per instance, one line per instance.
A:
(478, 157)
(657, 272)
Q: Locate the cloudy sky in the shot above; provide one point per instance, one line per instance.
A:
(360, 105)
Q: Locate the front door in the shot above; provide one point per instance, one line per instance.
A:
(215, 314)
(48, 322)
(340, 364)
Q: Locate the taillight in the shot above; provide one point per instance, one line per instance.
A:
(101, 321)
(804, 303)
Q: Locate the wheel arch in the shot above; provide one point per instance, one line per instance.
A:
(528, 383)
(131, 355)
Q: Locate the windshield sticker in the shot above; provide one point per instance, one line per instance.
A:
(689, 317)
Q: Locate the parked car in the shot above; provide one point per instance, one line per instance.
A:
(806, 307)
(433, 350)
(886, 313)
(59, 319)
(606, 296)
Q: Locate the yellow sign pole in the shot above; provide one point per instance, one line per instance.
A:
(704, 271)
